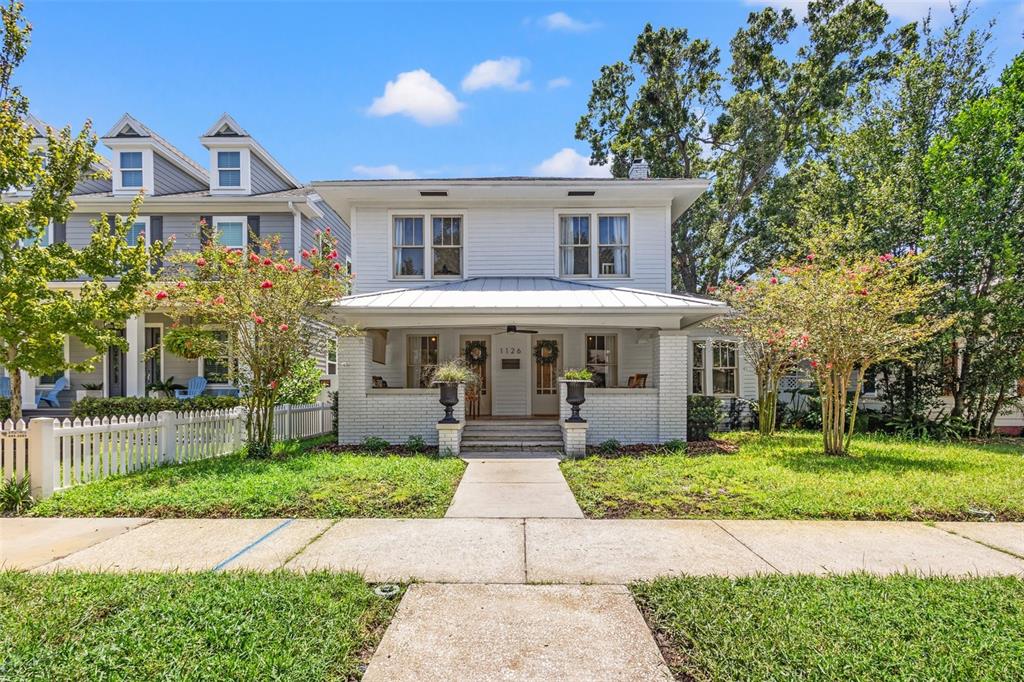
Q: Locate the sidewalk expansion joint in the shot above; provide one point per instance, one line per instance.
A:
(748, 547)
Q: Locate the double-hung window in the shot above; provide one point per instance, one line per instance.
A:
(216, 370)
(332, 357)
(408, 246)
(574, 245)
(613, 246)
(698, 385)
(724, 368)
(602, 360)
(229, 169)
(421, 360)
(446, 246)
(140, 228)
(131, 169)
(232, 229)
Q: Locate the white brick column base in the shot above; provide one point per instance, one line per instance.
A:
(673, 370)
(574, 439)
(449, 439)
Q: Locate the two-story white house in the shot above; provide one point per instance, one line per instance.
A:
(523, 278)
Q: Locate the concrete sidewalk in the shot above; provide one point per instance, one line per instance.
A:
(561, 551)
(523, 487)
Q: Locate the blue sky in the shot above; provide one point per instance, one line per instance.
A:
(346, 90)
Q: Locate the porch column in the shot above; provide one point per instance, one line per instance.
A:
(28, 391)
(672, 367)
(135, 357)
(355, 353)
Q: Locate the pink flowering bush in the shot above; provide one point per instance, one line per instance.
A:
(274, 310)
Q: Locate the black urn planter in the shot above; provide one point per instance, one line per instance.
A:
(449, 398)
(575, 395)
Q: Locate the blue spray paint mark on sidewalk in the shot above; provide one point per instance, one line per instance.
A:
(250, 545)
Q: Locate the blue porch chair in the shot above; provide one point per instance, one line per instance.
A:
(194, 388)
(5, 387)
(51, 397)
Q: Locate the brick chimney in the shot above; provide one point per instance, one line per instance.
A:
(640, 170)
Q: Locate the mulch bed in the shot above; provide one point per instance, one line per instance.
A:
(693, 448)
(358, 449)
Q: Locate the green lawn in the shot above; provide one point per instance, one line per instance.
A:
(204, 626)
(301, 483)
(838, 628)
(787, 477)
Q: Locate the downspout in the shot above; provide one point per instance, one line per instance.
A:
(296, 230)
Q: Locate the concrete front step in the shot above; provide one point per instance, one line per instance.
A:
(512, 442)
(512, 436)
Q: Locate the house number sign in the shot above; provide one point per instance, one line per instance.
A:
(509, 350)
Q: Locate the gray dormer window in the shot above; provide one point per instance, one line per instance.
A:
(131, 169)
(229, 169)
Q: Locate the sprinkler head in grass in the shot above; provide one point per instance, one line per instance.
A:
(386, 590)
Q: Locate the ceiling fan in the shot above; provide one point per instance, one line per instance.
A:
(513, 329)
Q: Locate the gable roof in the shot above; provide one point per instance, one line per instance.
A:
(527, 293)
(226, 127)
(128, 127)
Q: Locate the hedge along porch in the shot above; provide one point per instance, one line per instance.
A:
(518, 334)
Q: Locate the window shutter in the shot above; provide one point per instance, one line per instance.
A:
(60, 233)
(206, 229)
(156, 234)
(112, 221)
(254, 233)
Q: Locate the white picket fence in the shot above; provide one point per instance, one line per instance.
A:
(59, 454)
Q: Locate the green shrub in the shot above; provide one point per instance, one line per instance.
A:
(578, 375)
(15, 496)
(675, 445)
(374, 444)
(5, 408)
(453, 371)
(703, 413)
(126, 407)
(415, 444)
(609, 447)
(302, 386)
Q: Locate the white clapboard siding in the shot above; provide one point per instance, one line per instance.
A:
(13, 450)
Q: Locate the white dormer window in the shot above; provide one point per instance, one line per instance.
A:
(229, 169)
(131, 170)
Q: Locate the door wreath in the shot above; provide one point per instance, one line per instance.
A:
(546, 351)
(475, 352)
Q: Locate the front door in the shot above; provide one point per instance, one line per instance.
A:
(115, 371)
(476, 352)
(546, 354)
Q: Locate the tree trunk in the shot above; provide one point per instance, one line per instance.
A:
(260, 426)
(15, 394)
(767, 402)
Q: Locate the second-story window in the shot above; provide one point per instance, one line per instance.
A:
(131, 169)
(613, 246)
(447, 246)
(574, 244)
(233, 231)
(408, 247)
(229, 169)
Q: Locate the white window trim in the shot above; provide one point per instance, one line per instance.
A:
(618, 356)
(145, 230)
(709, 387)
(327, 358)
(406, 364)
(595, 215)
(428, 244)
(49, 235)
(245, 163)
(218, 219)
(147, 171)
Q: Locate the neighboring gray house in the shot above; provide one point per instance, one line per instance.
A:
(244, 191)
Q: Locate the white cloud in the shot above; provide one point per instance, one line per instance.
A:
(496, 73)
(560, 21)
(419, 96)
(568, 163)
(899, 10)
(388, 171)
(560, 82)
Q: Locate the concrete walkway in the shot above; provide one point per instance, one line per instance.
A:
(523, 487)
(521, 551)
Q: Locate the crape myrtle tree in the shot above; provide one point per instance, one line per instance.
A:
(38, 182)
(773, 344)
(745, 127)
(259, 308)
(975, 235)
(854, 311)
